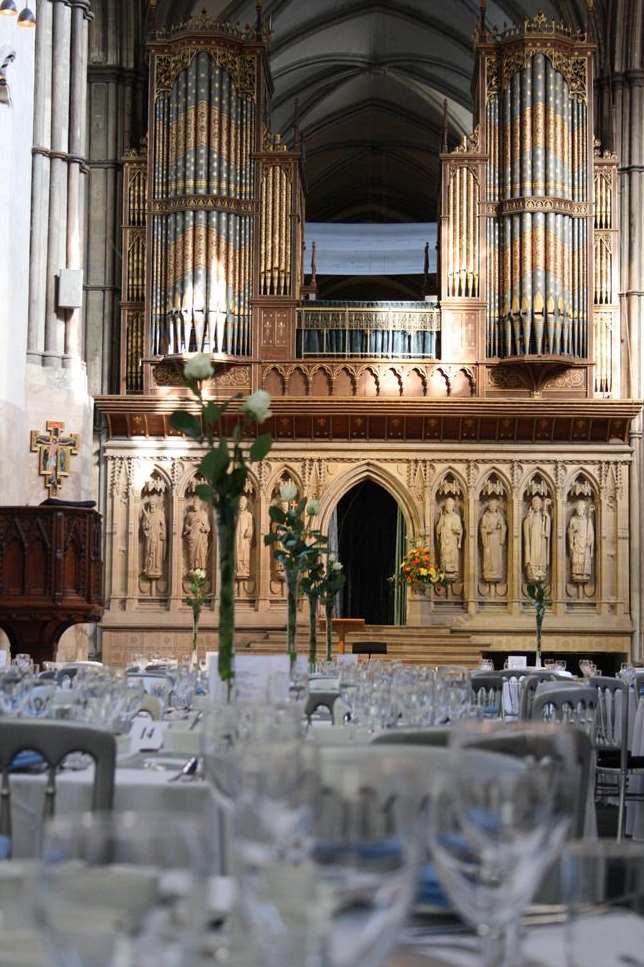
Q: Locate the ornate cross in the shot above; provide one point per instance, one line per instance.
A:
(55, 451)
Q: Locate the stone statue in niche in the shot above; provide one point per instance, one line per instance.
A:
(581, 543)
(449, 531)
(537, 525)
(244, 541)
(493, 531)
(196, 532)
(154, 527)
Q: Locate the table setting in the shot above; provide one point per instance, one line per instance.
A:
(244, 831)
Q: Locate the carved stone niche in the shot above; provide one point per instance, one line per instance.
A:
(449, 536)
(277, 576)
(492, 542)
(197, 535)
(581, 533)
(246, 543)
(536, 531)
(154, 529)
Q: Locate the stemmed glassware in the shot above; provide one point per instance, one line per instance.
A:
(497, 823)
(108, 880)
(327, 843)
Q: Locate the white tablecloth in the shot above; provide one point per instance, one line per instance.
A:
(141, 790)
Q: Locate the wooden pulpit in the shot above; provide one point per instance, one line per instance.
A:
(51, 575)
(343, 627)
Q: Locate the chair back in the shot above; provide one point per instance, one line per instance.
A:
(611, 720)
(571, 703)
(53, 741)
(436, 736)
(529, 686)
(638, 685)
(487, 691)
(318, 700)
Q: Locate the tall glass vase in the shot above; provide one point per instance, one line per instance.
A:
(226, 531)
(328, 614)
(292, 582)
(313, 631)
(194, 656)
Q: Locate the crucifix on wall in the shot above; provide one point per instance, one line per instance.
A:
(55, 451)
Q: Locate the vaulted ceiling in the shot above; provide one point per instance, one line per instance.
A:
(368, 79)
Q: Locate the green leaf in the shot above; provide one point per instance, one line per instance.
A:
(205, 492)
(186, 423)
(276, 514)
(212, 413)
(237, 481)
(215, 463)
(260, 447)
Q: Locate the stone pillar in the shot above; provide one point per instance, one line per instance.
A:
(58, 163)
(57, 241)
(40, 183)
(115, 92)
(77, 166)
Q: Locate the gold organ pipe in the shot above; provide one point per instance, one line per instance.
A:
(450, 233)
(275, 224)
(466, 234)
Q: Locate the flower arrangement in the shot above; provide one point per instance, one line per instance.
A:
(296, 545)
(418, 567)
(199, 594)
(224, 468)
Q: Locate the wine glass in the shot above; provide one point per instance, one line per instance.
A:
(107, 880)
(498, 821)
(328, 850)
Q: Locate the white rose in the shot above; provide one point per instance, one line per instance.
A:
(258, 405)
(331, 558)
(199, 367)
(199, 573)
(288, 491)
(313, 508)
(336, 566)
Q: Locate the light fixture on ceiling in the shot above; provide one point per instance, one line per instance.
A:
(8, 8)
(26, 18)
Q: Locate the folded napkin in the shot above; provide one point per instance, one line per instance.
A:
(26, 761)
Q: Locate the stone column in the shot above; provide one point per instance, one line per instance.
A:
(77, 166)
(40, 182)
(57, 242)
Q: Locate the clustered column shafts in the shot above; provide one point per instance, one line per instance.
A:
(204, 134)
(54, 335)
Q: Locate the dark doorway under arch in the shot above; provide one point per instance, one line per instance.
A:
(369, 538)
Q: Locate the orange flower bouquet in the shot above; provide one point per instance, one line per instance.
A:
(417, 567)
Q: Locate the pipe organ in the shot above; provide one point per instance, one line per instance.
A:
(523, 190)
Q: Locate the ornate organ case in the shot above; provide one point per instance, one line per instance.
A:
(528, 216)
(213, 219)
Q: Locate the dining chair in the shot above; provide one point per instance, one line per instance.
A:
(615, 763)
(568, 703)
(53, 741)
(318, 700)
(487, 690)
(528, 688)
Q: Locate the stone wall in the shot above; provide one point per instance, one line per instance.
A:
(495, 518)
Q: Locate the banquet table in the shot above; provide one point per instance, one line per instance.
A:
(139, 789)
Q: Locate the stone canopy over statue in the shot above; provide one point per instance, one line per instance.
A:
(493, 531)
(537, 526)
(449, 532)
(581, 542)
